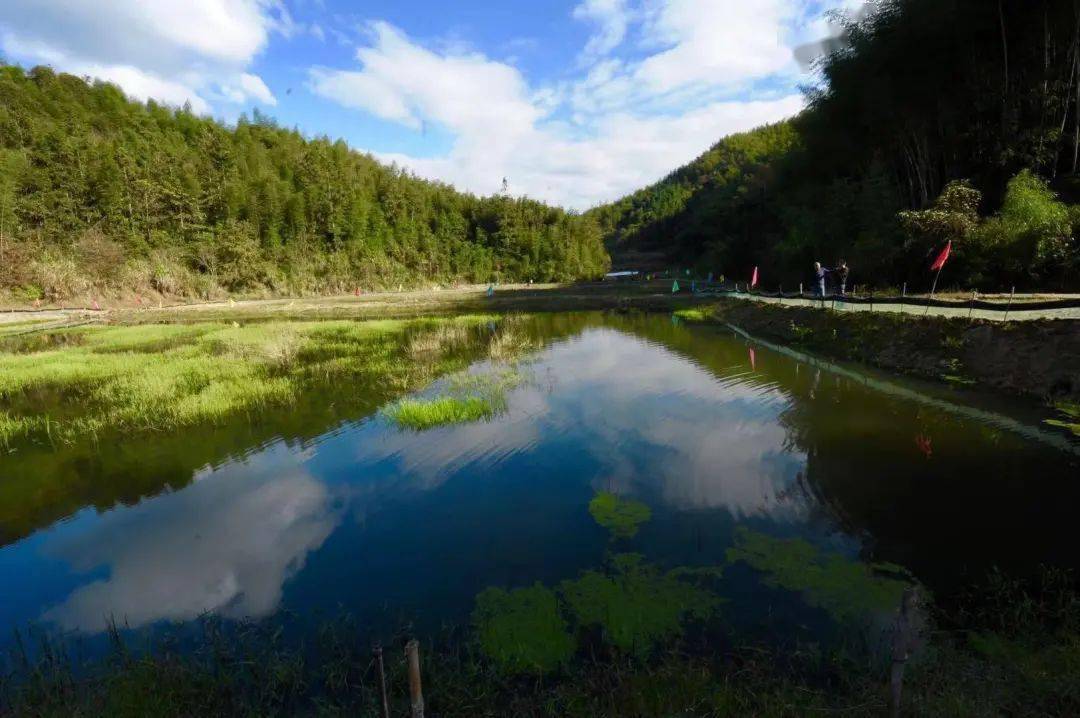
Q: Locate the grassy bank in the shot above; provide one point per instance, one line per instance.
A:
(94, 381)
(1038, 359)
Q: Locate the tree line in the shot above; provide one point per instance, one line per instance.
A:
(98, 192)
(917, 101)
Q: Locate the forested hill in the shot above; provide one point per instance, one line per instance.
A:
(102, 194)
(935, 120)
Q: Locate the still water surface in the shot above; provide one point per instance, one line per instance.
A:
(681, 449)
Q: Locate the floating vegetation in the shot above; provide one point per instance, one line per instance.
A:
(421, 414)
(522, 630)
(622, 517)
(846, 589)
(636, 605)
(693, 315)
(466, 398)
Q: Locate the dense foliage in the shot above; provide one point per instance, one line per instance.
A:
(918, 94)
(99, 192)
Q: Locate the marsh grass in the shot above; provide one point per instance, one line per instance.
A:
(100, 380)
(421, 415)
(465, 398)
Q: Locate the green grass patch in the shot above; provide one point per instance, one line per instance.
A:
(421, 414)
(464, 399)
(95, 380)
(694, 315)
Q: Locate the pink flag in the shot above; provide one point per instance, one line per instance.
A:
(939, 263)
(753, 360)
(753, 280)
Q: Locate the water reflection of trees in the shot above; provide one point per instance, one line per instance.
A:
(943, 494)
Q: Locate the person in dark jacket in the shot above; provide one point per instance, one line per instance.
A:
(841, 273)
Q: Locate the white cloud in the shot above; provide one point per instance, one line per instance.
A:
(170, 50)
(721, 43)
(406, 83)
(227, 545)
(504, 128)
(612, 18)
(703, 449)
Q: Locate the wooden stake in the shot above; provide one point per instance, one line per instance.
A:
(380, 669)
(1011, 295)
(416, 692)
(905, 639)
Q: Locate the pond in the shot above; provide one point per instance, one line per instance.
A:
(539, 478)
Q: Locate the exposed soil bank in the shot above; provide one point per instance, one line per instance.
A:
(1038, 359)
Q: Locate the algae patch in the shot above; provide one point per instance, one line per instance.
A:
(846, 589)
(622, 517)
(522, 630)
(635, 604)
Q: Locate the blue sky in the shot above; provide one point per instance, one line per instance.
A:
(575, 102)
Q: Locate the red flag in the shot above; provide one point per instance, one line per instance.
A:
(753, 280)
(942, 258)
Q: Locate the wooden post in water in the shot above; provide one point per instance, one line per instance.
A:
(971, 309)
(380, 669)
(903, 297)
(416, 691)
(1008, 308)
(781, 295)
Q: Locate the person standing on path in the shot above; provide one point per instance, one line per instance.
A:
(841, 272)
(819, 275)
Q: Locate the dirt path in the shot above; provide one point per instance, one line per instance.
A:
(383, 305)
(545, 297)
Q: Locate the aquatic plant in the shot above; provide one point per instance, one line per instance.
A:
(522, 630)
(465, 398)
(693, 315)
(848, 590)
(635, 604)
(162, 377)
(622, 517)
(424, 414)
